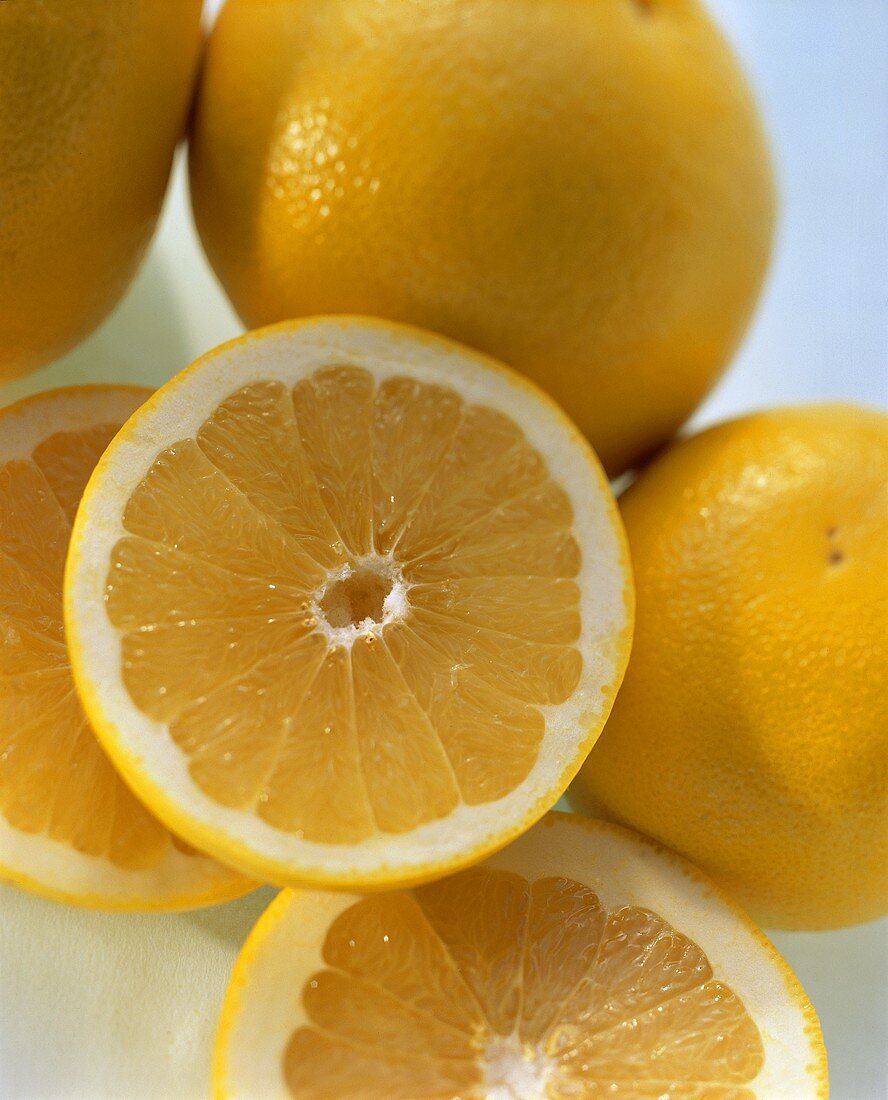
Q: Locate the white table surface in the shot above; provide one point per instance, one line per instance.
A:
(76, 988)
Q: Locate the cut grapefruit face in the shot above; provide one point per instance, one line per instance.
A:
(69, 827)
(582, 961)
(348, 603)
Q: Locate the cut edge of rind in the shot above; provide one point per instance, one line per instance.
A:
(66, 408)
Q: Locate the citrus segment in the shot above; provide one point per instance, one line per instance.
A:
(340, 582)
(333, 414)
(69, 826)
(414, 426)
(583, 961)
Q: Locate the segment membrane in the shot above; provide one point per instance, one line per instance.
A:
(388, 940)
(252, 439)
(564, 931)
(318, 1066)
(481, 918)
(528, 535)
(550, 608)
(482, 980)
(29, 510)
(529, 672)
(67, 459)
(409, 779)
(186, 503)
(168, 667)
(364, 1015)
(640, 961)
(152, 586)
(334, 413)
(242, 730)
(318, 787)
(237, 545)
(487, 464)
(490, 739)
(413, 427)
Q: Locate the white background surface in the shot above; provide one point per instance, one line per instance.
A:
(123, 1007)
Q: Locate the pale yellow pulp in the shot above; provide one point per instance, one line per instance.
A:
(484, 984)
(55, 779)
(349, 601)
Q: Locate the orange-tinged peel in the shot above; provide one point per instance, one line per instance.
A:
(757, 692)
(95, 98)
(69, 827)
(581, 961)
(348, 603)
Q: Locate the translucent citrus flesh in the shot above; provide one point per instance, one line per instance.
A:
(349, 602)
(484, 984)
(55, 779)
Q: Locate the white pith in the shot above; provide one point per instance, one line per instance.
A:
(394, 607)
(35, 860)
(264, 1007)
(144, 748)
(30, 421)
(51, 867)
(512, 1072)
